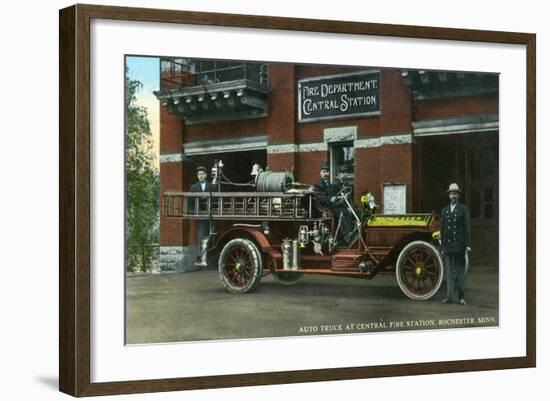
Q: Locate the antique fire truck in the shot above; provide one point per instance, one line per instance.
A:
(280, 227)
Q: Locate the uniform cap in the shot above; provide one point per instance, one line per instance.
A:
(453, 188)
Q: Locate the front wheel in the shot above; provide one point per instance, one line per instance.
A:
(419, 270)
(240, 266)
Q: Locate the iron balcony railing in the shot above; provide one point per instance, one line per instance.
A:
(256, 73)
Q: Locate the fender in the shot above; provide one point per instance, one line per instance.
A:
(247, 232)
(391, 257)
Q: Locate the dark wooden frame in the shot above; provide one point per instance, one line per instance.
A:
(74, 199)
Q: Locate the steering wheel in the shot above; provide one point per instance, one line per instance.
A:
(344, 192)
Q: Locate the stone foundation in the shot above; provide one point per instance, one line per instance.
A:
(178, 258)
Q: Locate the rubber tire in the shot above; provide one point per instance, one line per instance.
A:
(285, 278)
(399, 266)
(256, 268)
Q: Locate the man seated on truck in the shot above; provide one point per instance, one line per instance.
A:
(327, 191)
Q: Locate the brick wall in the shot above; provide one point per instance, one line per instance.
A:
(225, 129)
(441, 108)
(171, 132)
(367, 173)
(308, 166)
(281, 120)
(375, 167)
(282, 161)
(396, 106)
(396, 163)
(171, 230)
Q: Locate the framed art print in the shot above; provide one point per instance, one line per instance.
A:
(250, 200)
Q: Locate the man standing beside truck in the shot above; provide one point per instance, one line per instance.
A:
(203, 225)
(455, 242)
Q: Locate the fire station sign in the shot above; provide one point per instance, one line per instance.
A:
(339, 96)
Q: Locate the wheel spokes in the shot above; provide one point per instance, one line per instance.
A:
(239, 266)
(419, 270)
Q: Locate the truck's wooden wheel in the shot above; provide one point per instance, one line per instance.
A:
(240, 266)
(419, 270)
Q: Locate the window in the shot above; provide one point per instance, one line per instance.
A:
(342, 162)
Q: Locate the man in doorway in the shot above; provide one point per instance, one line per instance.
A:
(203, 225)
(327, 192)
(455, 242)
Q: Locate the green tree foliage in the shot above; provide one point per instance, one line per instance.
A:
(142, 184)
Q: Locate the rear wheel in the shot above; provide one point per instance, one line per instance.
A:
(419, 270)
(240, 266)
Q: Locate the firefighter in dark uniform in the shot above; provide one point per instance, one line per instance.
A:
(455, 242)
(327, 192)
(203, 225)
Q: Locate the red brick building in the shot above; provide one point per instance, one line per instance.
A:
(403, 135)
